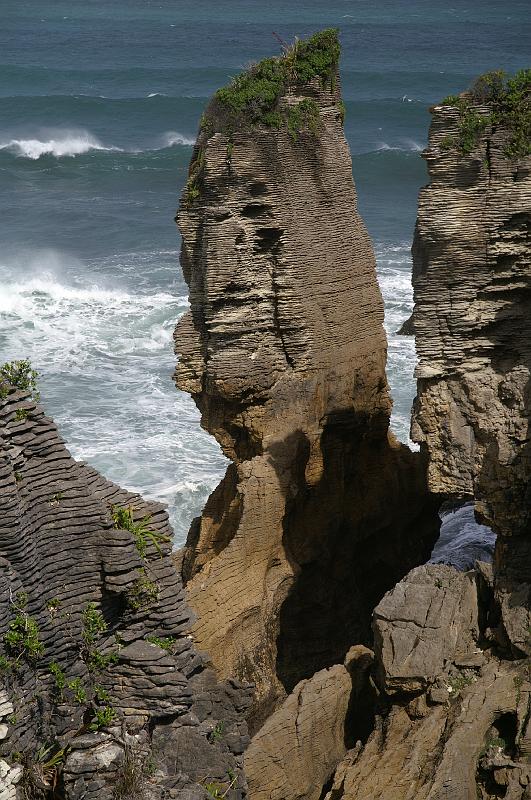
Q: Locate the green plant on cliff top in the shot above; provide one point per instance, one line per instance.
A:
(509, 99)
(253, 96)
(19, 375)
(143, 535)
(303, 117)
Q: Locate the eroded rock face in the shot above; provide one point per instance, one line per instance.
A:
(284, 352)
(297, 749)
(472, 318)
(454, 712)
(94, 633)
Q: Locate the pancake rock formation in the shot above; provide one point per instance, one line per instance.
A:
(102, 694)
(284, 351)
(451, 650)
(472, 319)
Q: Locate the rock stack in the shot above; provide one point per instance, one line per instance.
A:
(284, 351)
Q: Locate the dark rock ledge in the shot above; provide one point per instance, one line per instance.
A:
(86, 602)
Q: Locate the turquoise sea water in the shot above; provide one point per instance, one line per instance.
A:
(99, 105)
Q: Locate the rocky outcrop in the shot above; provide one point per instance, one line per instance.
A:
(284, 351)
(472, 281)
(295, 752)
(102, 693)
(454, 711)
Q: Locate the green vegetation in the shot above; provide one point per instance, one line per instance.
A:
(93, 624)
(77, 687)
(166, 643)
(458, 682)
(143, 593)
(493, 741)
(21, 414)
(342, 111)
(97, 662)
(40, 772)
(20, 375)
(132, 778)
(53, 604)
(217, 732)
(509, 99)
(59, 676)
(22, 639)
(216, 790)
(5, 664)
(101, 694)
(143, 535)
(303, 117)
(103, 717)
(252, 98)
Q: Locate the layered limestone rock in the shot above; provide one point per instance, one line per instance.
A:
(102, 694)
(472, 319)
(284, 352)
(454, 719)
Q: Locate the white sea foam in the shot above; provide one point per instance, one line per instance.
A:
(66, 143)
(405, 146)
(172, 138)
(101, 339)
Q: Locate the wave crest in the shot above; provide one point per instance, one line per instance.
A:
(174, 137)
(61, 144)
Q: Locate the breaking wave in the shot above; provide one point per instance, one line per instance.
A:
(61, 145)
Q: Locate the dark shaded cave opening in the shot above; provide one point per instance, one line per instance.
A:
(499, 746)
(351, 537)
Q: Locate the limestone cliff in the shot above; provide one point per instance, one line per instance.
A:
(284, 352)
(452, 714)
(102, 694)
(472, 319)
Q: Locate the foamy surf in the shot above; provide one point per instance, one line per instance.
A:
(61, 145)
(172, 138)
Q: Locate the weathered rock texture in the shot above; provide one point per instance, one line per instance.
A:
(455, 714)
(295, 752)
(173, 728)
(284, 352)
(472, 319)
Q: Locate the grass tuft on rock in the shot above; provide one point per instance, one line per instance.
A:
(509, 99)
(252, 98)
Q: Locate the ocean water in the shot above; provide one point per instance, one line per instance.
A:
(99, 106)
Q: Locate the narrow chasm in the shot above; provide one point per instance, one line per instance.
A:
(354, 535)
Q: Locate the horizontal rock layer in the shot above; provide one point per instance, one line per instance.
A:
(95, 600)
(472, 320)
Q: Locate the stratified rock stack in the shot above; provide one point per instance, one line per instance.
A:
(472, 319)
(452, 720)
(284, 352)
(102, 694)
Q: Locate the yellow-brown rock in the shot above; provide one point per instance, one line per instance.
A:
(284, 352)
